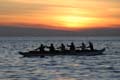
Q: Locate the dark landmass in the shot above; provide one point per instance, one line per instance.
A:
(10, 31)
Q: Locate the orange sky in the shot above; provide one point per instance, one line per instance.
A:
(61, 14)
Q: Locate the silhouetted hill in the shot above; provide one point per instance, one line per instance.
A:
(20, 31)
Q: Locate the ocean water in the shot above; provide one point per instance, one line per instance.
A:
(103, 67)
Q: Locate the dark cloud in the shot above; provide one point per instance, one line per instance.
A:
(18, 31)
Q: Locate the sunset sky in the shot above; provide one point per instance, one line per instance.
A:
(60, 14)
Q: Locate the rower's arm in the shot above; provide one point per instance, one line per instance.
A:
(47, 46)
(68, 45)
(78, 47)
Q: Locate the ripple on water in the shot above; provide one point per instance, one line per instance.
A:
(13, 67)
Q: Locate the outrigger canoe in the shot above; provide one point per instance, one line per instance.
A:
(67, 52)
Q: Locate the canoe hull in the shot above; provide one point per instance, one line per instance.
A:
(55, 53)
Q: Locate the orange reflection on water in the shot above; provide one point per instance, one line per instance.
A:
(65, 78)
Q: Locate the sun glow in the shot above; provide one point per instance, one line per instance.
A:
(60, 14)
(75, 22)
(70, 21)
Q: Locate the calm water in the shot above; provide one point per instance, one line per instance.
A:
(103, 67)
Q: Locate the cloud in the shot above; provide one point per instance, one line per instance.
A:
(41, 9)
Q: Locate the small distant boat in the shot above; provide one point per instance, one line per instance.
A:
(66, 52)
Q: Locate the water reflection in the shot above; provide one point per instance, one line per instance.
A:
(13, 67)
(65, 78)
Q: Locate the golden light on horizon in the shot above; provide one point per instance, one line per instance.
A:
(69, 21)
(75, 22)
(61, 14)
